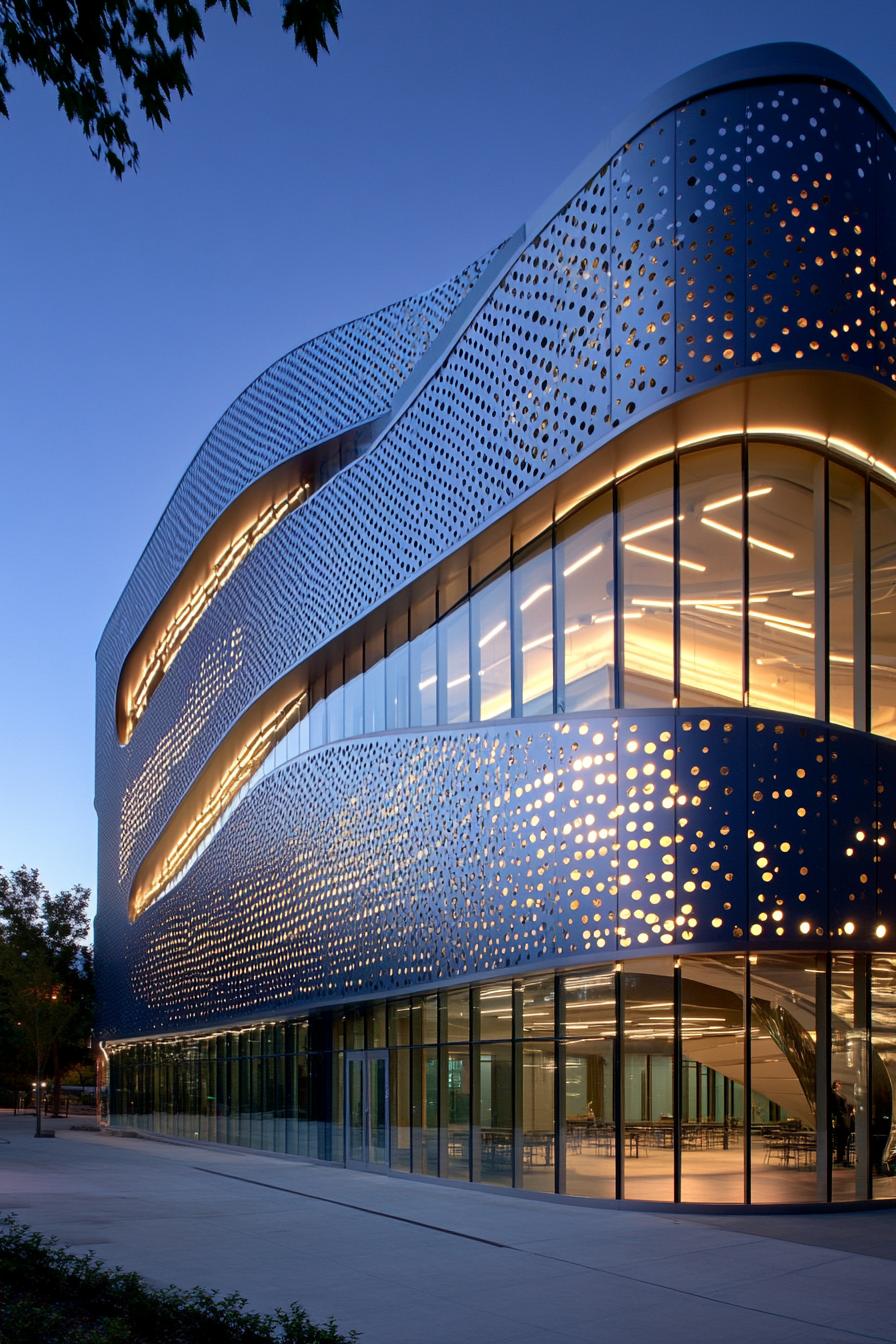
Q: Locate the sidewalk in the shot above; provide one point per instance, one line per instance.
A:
(409, 1263)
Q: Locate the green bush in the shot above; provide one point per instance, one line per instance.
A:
(49, 1295)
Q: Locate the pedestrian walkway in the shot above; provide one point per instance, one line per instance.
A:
(411, 1263)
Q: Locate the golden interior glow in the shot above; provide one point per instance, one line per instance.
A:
(225, 547)
(156, 875)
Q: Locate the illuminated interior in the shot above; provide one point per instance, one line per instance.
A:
(223, 549)
(565, 1083)
(216, 792)
(759, 520)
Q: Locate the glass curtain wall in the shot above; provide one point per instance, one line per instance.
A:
(756, 573)
(529, 1082)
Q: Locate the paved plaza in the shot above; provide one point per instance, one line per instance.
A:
(411, 1263)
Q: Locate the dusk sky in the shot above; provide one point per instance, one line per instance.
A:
(281, 200)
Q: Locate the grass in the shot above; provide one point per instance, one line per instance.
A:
(50, 1296)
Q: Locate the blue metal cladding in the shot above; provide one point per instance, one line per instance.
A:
(740, 230)
(407, 858)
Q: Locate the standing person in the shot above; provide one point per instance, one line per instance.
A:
(839, 1124)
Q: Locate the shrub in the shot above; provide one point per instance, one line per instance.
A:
(48, 1294)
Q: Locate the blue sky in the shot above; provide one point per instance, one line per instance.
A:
(280, 201)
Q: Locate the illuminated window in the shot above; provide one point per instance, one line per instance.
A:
(647, 562)
(490, 610)
(533, 632)
(784, 527)
(711, 600)
(584, 568)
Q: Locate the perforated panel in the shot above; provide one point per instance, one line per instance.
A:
(408, 858)
(737, 232)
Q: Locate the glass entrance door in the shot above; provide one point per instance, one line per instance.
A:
(367, 1108)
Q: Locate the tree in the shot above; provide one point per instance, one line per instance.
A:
(46, 979)
(80, 46)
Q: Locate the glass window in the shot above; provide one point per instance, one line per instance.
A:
(376, 1026)
(783, 1068)
(454, 666)
(457, 1013)
(353, 701)
(712, 1073)
(425, 1019)
(883, 1076)
(424, 679)
(849, 1077)
(317, 724)
(538, 1006)
(846, 568)
(335, 717)
(375, 698)
(425, 1111)
(496, 1011)
(400, 1022)
(457, 1076)
(711, 509)
(400, 1109)
(646, 562)
(647, 1079)
(533, 632)
(490, 611)
(584, 568)
(784, 507)
(493, 1132)
(538, 1155)
(883, 612)
(397, 687)
(589, 1005)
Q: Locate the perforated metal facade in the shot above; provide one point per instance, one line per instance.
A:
(741, 230)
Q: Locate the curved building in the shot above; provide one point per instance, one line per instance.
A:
(496, 740)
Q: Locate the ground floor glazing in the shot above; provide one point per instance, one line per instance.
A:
(765, 1078)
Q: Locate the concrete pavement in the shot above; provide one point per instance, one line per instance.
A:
(411, 1263)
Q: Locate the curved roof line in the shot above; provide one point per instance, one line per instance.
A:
(749, 65)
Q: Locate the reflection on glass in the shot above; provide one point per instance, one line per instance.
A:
(425, 1111)
(375, 698)
(883, 1076)
(538, 1155)
(647, 561)
(849, 1079)
(335, 718)
(457, 1067)
(424, 680)
(353, 701)
(846, 567)
(533, 603)
(784, 517)
(538, 1006)
(712, 1078)
(425, 1019)
(397, 688)
(355, 1108)
(711, 596)
(782, 1050)
(457, 1015)
(883, 612)
(400, 1109)
(590, 1015)
(317, 725)
(399, 1022)
(647, 1080)
(490, 612)
(496, 1011)
(454, 666)
(378, 1108)
(584, 568)
(493, 1133)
